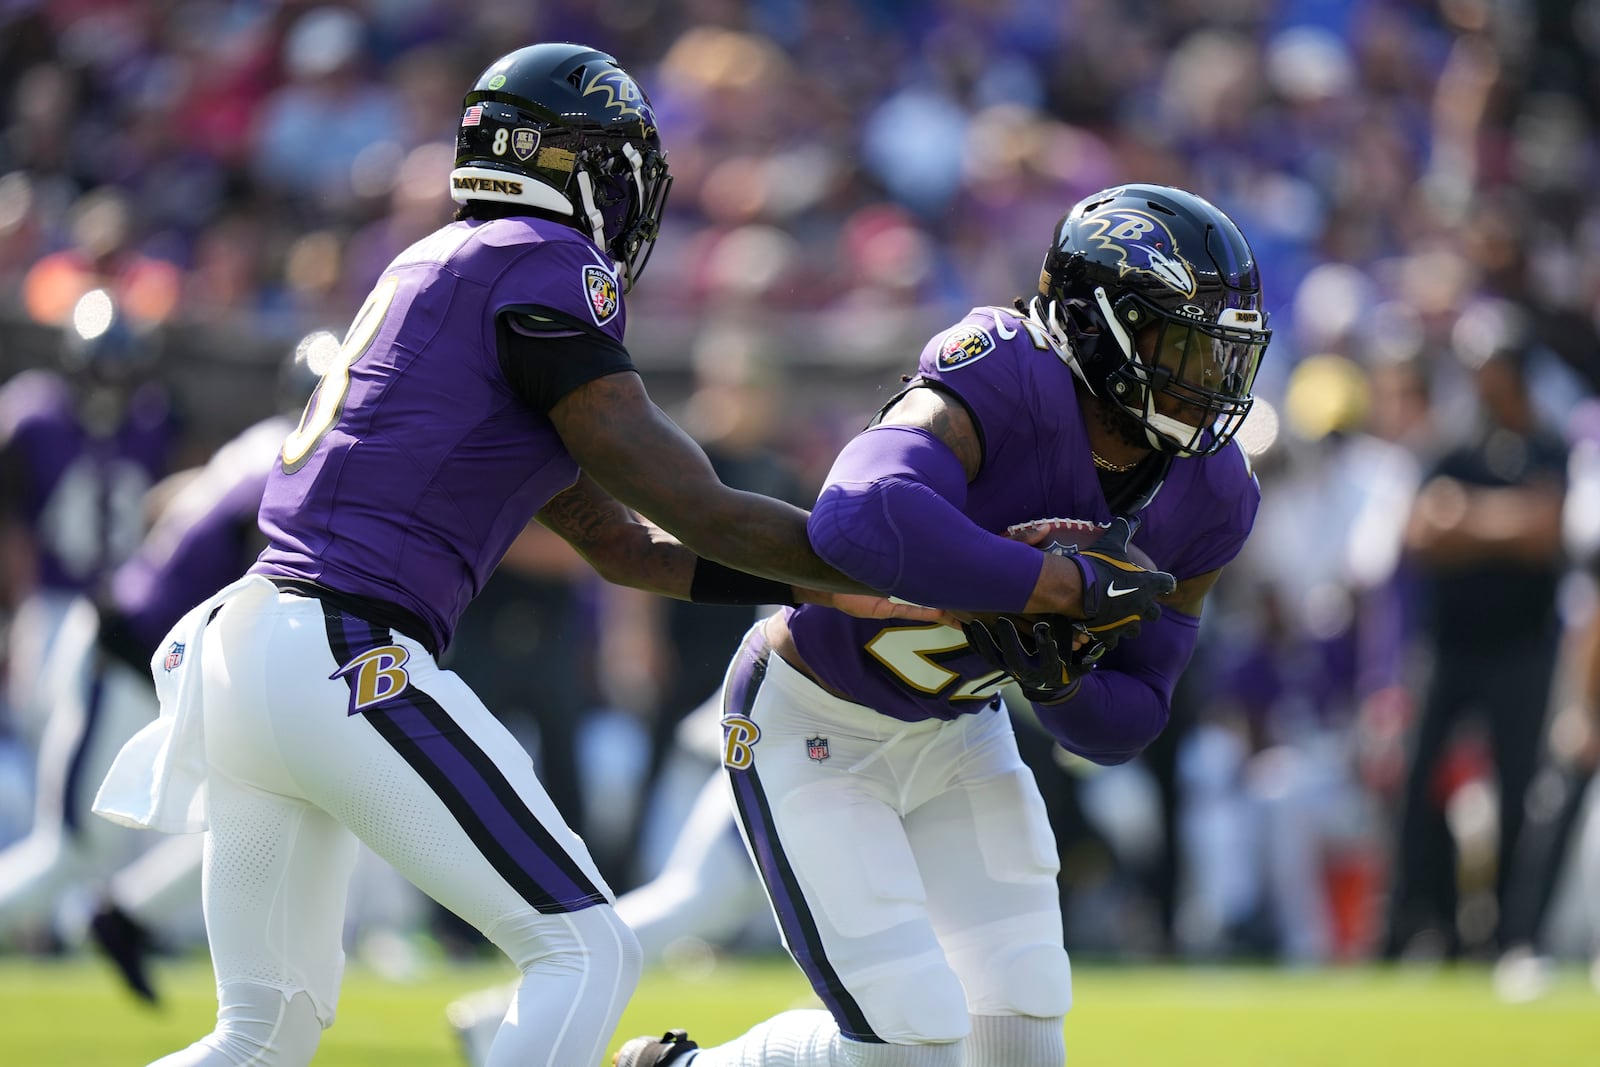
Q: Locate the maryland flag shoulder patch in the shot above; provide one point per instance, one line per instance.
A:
(600, 289)
(963, 345)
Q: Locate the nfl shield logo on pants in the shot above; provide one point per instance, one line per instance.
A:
(175, 656)
(817, 748)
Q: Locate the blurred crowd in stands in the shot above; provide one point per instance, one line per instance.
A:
(1404, 657)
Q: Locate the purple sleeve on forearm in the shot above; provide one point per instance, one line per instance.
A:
(1122, 705)
(890, 517)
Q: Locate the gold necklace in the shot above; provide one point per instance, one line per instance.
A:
(1115, 468)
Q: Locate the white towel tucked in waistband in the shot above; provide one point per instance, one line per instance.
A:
(158, 780)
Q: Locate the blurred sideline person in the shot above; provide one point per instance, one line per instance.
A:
(1556, 838)
(484, 381)
(902, 841)
(98, 681)
(1280, 819)
(78, 450)
(1485, 537)
(529, 622)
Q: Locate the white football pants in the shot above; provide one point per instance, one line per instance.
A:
(911, 866)
(321, 728)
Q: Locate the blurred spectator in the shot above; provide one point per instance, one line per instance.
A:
(1558, 798)
(314, 129)
(102, 255)
(1485, 533)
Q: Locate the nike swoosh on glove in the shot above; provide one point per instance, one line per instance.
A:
(1117, 593)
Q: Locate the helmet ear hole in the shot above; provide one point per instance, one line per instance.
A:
(1081, 317)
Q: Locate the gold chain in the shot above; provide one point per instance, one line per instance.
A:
(1115, 468)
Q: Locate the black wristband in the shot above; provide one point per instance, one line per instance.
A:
(715, 584)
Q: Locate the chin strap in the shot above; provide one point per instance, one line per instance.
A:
(1165, 433)
(1046, 315)
(591, 213)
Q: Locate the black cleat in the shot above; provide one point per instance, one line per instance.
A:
(670, 1047)
(127, 945)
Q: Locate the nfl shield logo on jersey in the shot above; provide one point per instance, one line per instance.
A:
(174, 656)
(817, 748)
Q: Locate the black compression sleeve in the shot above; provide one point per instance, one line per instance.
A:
(545, 354)
(715, 584)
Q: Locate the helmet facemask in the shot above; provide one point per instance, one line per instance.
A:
(621, 196)
(1186, 380)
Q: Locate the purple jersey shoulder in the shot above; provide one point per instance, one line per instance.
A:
(556, 267)
(31, 398)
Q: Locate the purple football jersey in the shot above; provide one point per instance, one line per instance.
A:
(414, 470)
(204, 538)
(1036, 465)
(83, 489)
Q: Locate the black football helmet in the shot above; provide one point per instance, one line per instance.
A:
(1153, 295)
(563, 129)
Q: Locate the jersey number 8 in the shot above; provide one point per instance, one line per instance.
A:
(323, 409)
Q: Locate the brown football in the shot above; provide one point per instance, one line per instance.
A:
(1080, 532)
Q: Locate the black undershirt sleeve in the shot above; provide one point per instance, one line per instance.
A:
(545, 354)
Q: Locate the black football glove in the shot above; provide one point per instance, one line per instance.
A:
(1117, 593)
(1036, 661)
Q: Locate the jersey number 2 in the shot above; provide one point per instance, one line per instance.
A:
(909, 651)
(323, 409)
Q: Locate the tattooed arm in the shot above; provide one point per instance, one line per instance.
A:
(643, 459)
(621, 547)
(627, 550)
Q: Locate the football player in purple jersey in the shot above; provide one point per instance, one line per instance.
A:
(483, 383)
(902, 842)
(97, 684)
(78, 449)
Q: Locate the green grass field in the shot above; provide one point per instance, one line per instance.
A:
(73, 1014)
